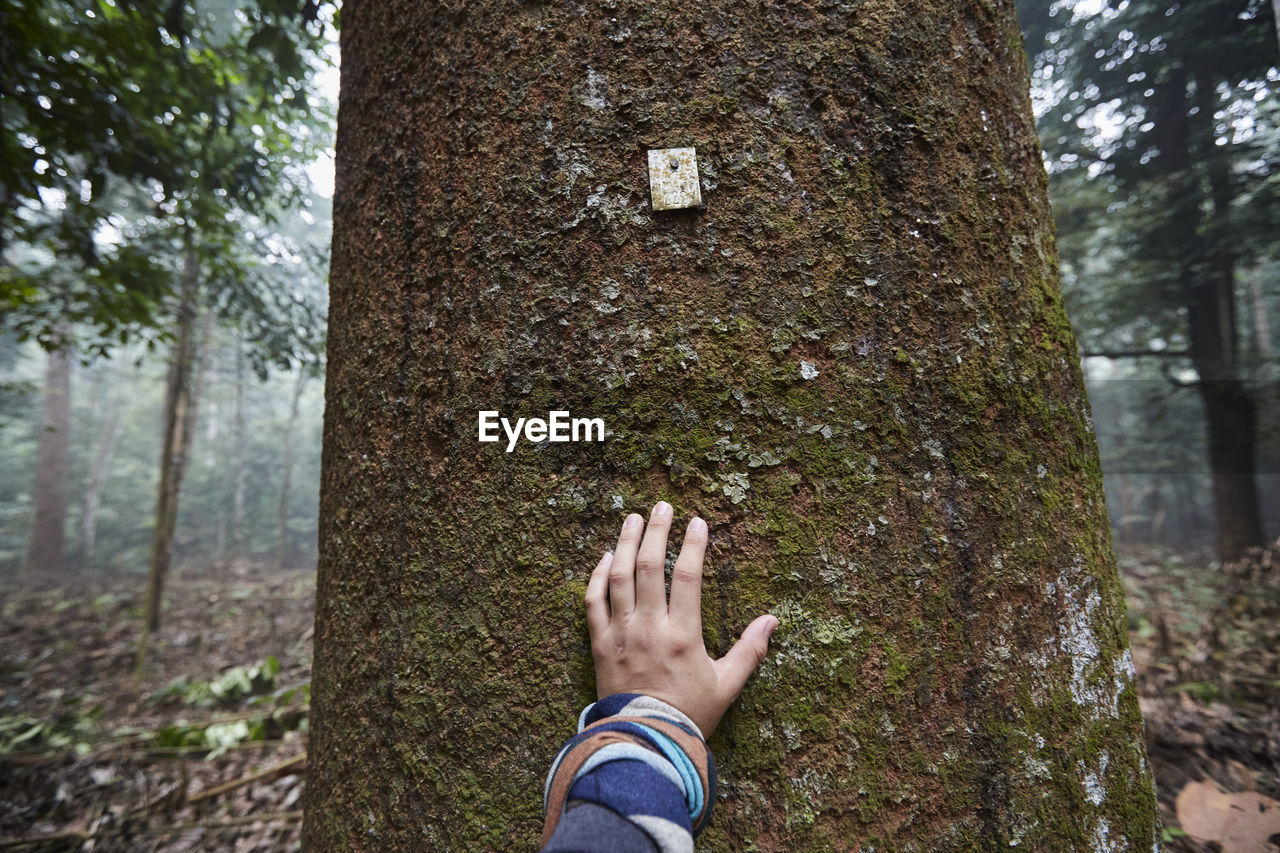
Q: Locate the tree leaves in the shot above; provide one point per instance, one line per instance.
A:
(126, 125)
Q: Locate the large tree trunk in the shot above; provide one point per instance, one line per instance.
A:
(46, 547)
(853, 362)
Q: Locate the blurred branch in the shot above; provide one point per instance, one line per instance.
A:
(273, 770)
(1136, 353)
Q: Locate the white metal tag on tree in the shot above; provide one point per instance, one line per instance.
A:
(673, 178)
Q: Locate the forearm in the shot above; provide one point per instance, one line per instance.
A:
(637, 777)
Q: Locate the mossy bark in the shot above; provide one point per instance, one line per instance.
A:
(853, 362)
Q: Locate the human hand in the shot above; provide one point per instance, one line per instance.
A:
(642, 644)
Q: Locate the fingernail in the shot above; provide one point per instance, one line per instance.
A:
(662, 508)
(608, 556)
(773, 626)
(697, 525)
(633, 520)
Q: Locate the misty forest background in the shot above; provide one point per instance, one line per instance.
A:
(164, 222)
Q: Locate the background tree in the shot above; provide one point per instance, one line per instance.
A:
(853, 362)
(47, 548)
(1159, 120)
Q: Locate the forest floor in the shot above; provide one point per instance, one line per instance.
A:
(208, 752)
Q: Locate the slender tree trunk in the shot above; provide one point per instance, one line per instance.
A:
(853, 361)
(179, 425)
(105, 449)
(47, 544)
(1230, 411)
(282, 527)
(239, 450)
(1268, 401)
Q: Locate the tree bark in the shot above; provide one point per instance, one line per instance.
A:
(853, 362)
(47, 545)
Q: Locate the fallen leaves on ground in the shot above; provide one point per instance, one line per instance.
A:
(208, 752)
(1241, 822)
(1206, 646)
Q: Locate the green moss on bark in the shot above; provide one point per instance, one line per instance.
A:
(853, 362)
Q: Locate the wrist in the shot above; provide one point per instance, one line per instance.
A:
(637, 705)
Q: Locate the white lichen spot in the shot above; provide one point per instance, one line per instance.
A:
(607, 207)
(1102, 840)
(808, 371)
(1079, 640)
(1095, 790)
(766, 457)
(934, 447)
(735, 486)
(609, 291)
(617, 502)
(1041, 471)
(595, 93)
(1124, 674)
(1037, 769)
(687, 354)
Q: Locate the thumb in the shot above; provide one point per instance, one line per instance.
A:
(739, 662)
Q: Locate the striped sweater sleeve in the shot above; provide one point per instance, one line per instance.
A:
(637, 769)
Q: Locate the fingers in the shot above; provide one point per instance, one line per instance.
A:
(736, 667)
(651, 588)
(686, 577)
(597, 605)
(622, 581)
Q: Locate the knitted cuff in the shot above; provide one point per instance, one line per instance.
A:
(631, 726)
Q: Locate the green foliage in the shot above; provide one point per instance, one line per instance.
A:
(127, 127)
(227, 689)
(74, 728)
(1117, 93)
(219, 737)
(281, 709)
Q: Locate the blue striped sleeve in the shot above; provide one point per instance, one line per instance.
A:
(635, 759)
